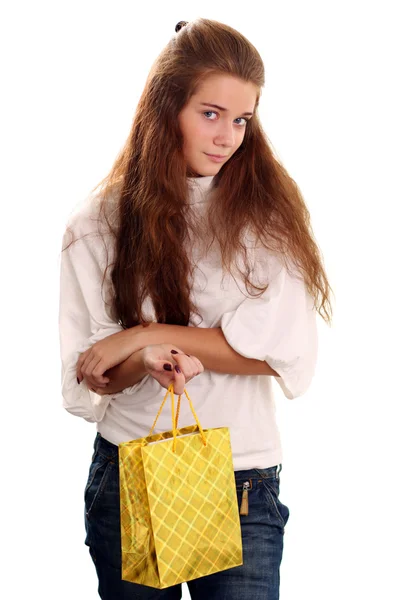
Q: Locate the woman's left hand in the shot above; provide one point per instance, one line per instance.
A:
(105, 354)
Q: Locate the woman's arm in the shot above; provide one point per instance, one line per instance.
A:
(126, 374)
(208, 345)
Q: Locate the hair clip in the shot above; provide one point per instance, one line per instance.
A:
(179, 25)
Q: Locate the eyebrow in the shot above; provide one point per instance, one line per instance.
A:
(250, 114)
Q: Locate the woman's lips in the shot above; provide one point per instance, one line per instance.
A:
(216, 157)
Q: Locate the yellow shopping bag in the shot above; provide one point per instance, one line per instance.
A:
(179, 510)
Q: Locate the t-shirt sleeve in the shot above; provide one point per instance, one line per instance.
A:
(84, 318)
(278, 327)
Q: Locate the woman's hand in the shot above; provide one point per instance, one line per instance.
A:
(112, 351)
(168, 364)
(103, 355)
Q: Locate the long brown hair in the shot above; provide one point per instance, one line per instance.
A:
(252, 191)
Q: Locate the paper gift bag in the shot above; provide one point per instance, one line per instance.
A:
(179, 510)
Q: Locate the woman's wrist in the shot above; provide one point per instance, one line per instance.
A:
(150, 335)
(127, 373)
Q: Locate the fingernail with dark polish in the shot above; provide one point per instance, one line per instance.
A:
(78, 380)
(167, 367)
(174, 352)
(177, 369)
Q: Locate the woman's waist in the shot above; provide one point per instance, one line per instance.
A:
(246, 410)
(207, 387)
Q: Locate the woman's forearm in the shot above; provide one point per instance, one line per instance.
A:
(126, 374)
(207, 344)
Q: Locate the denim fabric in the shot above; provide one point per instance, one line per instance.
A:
(262, 536)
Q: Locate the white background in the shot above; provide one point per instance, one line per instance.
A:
(72, 73)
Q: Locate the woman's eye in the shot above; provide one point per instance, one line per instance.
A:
(242, 119)
(212, 112)
(209, 112)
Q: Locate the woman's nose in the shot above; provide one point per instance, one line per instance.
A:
(225, 135)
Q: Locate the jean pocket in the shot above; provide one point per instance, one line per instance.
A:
(96, 483)
(279, 511)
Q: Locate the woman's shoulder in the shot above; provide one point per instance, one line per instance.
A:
(95, 214)
(91, 228)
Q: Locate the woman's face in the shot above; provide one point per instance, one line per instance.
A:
(214, 120)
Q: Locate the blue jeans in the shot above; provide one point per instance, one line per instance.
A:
(262, 537)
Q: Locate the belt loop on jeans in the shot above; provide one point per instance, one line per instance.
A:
(278, 470)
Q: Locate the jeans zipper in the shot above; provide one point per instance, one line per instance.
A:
(244, 507)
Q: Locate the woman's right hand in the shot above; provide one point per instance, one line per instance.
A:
(168, 364)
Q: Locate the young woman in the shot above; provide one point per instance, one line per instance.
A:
(195, 261)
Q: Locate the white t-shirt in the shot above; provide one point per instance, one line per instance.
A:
(278, 327)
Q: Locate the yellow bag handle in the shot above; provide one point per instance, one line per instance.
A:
(171, 393)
